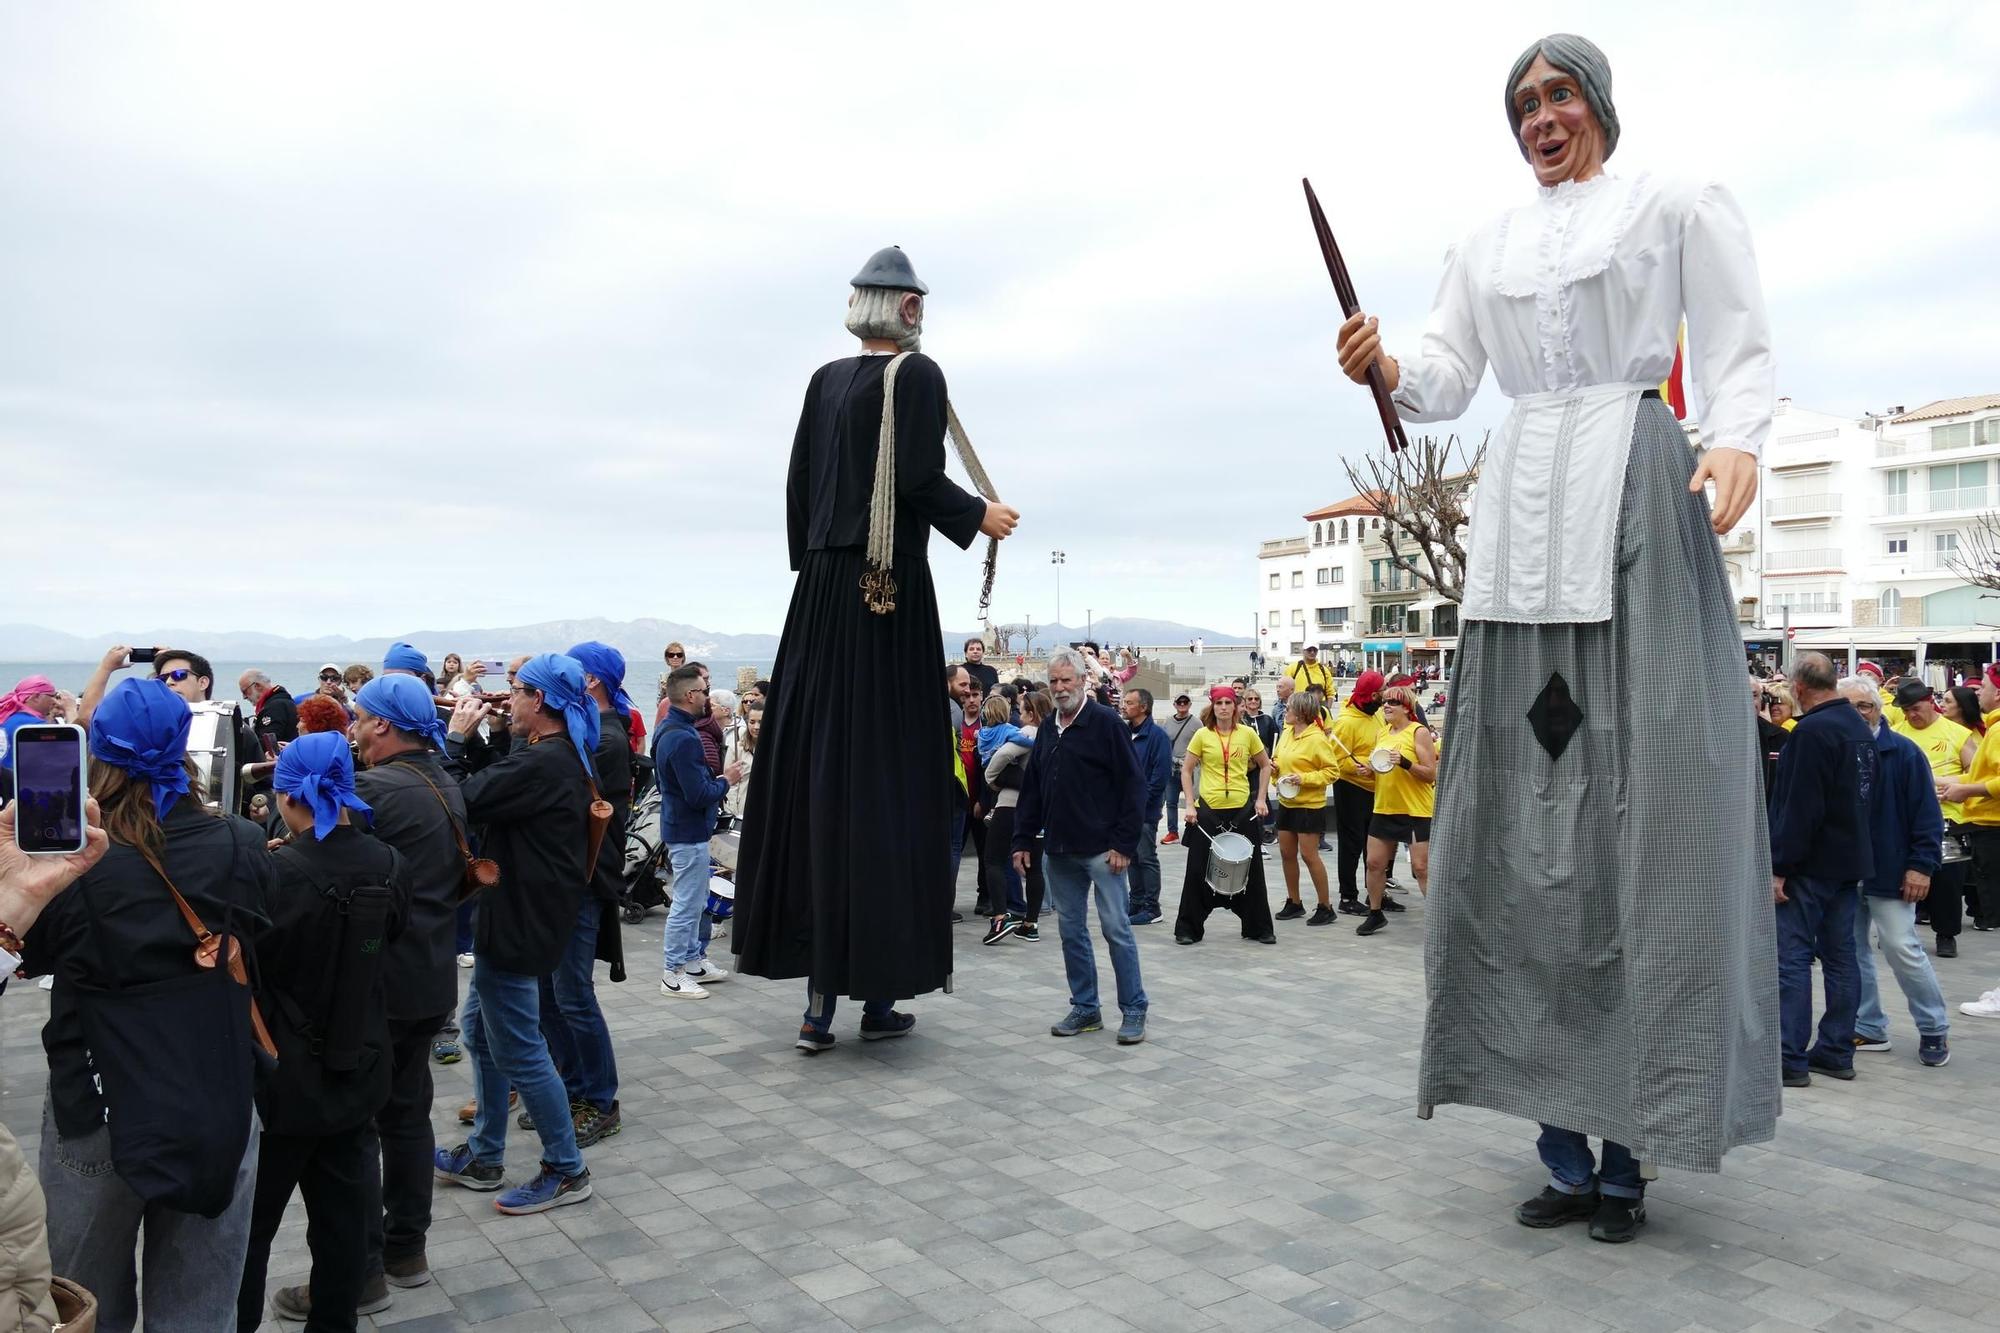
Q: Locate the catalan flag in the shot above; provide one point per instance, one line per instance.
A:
(1673, 388)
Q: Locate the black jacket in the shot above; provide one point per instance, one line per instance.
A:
(1819, 802)
(404, 793)
(532, 811)
(1083, 787)
(278, 716)
(613, 762)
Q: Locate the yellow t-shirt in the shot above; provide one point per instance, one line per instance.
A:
(1309, 755)
(1356, 731)
(1399, 791)
(1312, 676)
(1790, 724)
(1941, 742)
(1225, 766)
(1986, 768)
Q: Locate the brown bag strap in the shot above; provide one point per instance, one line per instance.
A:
(204, 940)
(464, 848)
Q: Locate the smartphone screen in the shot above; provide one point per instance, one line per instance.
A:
(49, 788)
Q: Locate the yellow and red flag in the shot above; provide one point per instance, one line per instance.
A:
(1674, 387)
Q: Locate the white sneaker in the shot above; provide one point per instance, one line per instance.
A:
(705, 972)
(1986, 1006)
(465, 960)
(680, 985)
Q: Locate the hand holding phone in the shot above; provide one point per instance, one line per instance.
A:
(50, 772)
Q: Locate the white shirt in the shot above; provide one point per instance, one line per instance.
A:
(1585, 285)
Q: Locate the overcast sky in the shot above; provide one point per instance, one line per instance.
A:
(361, 319)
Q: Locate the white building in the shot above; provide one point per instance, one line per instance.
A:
(1309, 587)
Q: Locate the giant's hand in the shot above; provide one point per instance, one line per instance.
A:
(1734, 473)
(1000, 520)
(1361, 343)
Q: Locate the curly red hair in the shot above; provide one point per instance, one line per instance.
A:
(319, 713)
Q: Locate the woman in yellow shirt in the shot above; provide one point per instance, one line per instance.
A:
(1784, 712)
(1233, 767)
(1304, 752)
(1404, 799)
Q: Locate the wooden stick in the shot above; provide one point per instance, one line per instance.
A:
(1350, 305)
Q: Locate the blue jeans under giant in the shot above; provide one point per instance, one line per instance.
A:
(1817, 920)
(819, 1008)
(1573, 1170)
(684, 939)
(508, 1051)
(573, 1023)
(1896, 922)
(1145, 872)
(1070, 881)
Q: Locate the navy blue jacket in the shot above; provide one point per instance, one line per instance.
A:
(1821, 795)
(1155, 754)
(1083, 787)
(1906, 827)
(690, 795)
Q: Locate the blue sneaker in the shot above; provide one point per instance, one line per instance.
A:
(458, 1166)
(549, 1189)
(891, 1024)
(1133, 1030)
(1078, 1022)
(1933, 1051)
(1145, 918)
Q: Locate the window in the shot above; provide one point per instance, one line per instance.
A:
(1340, 576)
(1324, 615)
(1899, 546)
(1896, 492)
(1343, 530)
(1315, 534)
(1275, 580)
(1326, 576)
(1299, 617)
(1340, 615)
(1963, 434)
(1958, 486)
(1274, 618)
(1444, 622)
(1944, 544)
(1388, 619)
(1298, 578)
(1891, 606)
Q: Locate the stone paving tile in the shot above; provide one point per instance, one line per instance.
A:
(1255, 1165)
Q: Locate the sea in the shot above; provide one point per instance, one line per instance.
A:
(641, 678)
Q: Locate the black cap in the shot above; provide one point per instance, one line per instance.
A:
(1911, 692)
(890, 267)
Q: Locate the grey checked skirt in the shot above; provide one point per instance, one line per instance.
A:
(1600, 953)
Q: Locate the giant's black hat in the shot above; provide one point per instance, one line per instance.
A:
(890, 267)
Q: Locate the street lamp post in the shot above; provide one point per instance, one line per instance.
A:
(1058, 559)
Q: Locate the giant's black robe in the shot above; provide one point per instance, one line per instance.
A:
(842, 875)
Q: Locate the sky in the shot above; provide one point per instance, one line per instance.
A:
(366, 318)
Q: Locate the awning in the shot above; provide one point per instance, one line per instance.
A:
(1429, 604)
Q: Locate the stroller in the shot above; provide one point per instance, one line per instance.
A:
(645, 885)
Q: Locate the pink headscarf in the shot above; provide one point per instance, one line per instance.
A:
(16, 699)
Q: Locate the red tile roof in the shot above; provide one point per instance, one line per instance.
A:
(1951, 407)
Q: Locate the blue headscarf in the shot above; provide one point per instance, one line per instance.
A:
(142, 727)
(402, 657)
(560, 679)
(318, 770)
(608, 665)
(404, 703)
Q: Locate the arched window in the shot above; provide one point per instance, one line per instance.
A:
(1892, 606)
(1343, 529)
(1316, 534)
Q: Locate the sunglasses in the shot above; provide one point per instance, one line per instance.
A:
(677, 657)
(178, 673)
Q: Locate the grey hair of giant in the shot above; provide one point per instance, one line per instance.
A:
(877, 312)
(1068, 657)
(1579, 58)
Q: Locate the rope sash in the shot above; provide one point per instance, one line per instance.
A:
(878, 582)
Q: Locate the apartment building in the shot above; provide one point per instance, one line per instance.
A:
(1309, 586)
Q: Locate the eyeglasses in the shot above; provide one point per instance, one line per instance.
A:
(329, 676)
(177, 674)
(677, 657)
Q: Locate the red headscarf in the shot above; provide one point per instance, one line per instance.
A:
(1366, 686)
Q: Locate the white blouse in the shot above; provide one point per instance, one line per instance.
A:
(1585, 285)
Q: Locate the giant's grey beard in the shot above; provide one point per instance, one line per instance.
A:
(876, 312)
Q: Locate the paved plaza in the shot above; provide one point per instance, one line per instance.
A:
(1257, 1164)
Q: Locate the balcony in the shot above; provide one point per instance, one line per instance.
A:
(1740, 543)
(1283, 546)
(1794, 508)
(1978, 443)
(1813, 557)
(1928, 504)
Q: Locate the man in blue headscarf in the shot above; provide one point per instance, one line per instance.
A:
(532, 811)
(404, 658)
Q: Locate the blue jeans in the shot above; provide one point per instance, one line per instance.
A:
(1145, 872)
(819, 1008)
(1817, 920)
(508, 1051)
(1896, 922)
(1070, 880)
(579, 1039)
(684, 940)
(1573, 1170)
(1173, 808)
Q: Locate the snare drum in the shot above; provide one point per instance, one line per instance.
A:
(1957, 848)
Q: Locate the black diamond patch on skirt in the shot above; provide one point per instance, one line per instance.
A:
(1555, 716)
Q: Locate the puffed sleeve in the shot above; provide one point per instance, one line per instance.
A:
(1437, 383)
(1729, 336)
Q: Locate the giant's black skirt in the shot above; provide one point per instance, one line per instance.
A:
(842, 876)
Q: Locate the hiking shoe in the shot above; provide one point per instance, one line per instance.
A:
(705, 973)
(1170, 839)
(1862, 1043)
(1028, 931)
(1391, 905)
(1933, 1051)
(1146, 918)
(1002, 926)
(1352, 907)
(1322, 916)
(1947, 947)
(412, 1272)
(296, 1302)
(1133, 1030)
(549, 1189)
(1552, 1208)
(1986, 1006)
(813, 1040)
(1845, 1073)
(1617, 1220)
(457, 1166)
(446, 1051)
(1797, 1078)
(526, 1120)
(891, 1024)
(593, 1124)
(1078, 1022)
(681, 986)
(1374, 923)
(1291, 911)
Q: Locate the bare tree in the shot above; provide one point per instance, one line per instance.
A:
(1420, 493)
(1977, 558)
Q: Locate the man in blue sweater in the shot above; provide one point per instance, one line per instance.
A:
(1906, 831)
(690, 796)
(1820, 854)
(1155, 754)
(1083, 790)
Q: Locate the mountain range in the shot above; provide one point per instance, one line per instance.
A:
(639, 640)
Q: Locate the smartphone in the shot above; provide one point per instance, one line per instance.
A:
(492, 666)
(50, 772)
(140, 656)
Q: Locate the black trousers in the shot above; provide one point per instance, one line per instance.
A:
(1252, 906)
(1982, 886)
(1352, 807)
(331, 1172)
(399, 1177)
(975, 833)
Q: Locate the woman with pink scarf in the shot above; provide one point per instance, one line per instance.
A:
(34, 699)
